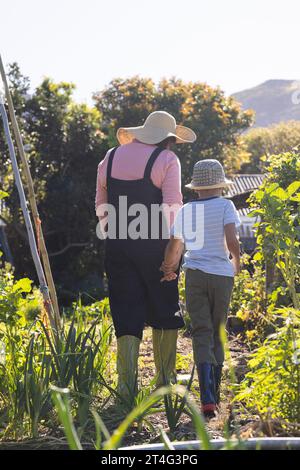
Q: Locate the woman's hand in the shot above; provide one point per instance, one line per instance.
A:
(168, 268)
(172, 256)
(169, 277)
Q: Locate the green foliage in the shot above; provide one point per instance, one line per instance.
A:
(272, 386)
(37, 374)
(279, 231)
(65, 142)
(78, 359)
(176, 406)
(262, 143)
(251, 303)
(3, 194)
(18, 305)
(106, 441)
(182, 301)
(64, 145)
(284, 168)
(114, 441)
(31, 360)
(61, 402)
(216, 119)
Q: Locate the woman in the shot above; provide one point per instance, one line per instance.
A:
(145, 171)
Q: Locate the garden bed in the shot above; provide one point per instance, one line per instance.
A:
(236, 421)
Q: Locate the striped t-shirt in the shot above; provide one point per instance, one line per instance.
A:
(200, 224)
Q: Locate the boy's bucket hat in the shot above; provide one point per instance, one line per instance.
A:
(158, 126)
(208, 174)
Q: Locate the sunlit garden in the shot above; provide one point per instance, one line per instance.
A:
(58, 387)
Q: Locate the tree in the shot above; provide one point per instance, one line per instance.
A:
(64, 145)
(65, 142)
(217, 120)
(263, 142)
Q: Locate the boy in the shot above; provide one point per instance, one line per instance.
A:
(207, 228)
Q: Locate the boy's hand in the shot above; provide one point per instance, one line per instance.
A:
(172, 256)
(236, 267)
(233, 246)
(169, 277)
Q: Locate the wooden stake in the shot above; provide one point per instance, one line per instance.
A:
(32, 242)
(32, 198)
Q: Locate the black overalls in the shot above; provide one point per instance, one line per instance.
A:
(136, 295)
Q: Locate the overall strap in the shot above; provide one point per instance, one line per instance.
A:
(109, 164)
(151, 161)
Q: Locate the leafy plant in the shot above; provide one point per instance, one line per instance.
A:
(114, 440)
(176, 406)
(31, 359)
(279, 230)
(61, 402)
(272, 386)
(182, 301)
(86, 373)
(251, 303)
(17, 299)
(37, 372)
(79, 357)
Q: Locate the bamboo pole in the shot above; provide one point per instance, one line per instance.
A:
(32, 242)
(31, 196)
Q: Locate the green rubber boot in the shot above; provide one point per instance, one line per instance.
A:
(127, 367)
(164, 349)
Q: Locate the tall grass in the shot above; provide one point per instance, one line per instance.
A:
(32, 359)
(113, 441)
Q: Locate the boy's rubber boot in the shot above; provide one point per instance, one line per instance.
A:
(218, 378)
(127, 367)
(164, 349)
(207, 389)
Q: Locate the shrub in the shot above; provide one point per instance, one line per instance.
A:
(272, 386)
(31, 360)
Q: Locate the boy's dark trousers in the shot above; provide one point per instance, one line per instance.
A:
(207, 300)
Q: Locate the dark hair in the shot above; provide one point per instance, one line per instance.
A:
(164, 143)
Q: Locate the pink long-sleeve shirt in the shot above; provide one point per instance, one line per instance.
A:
(129, 164)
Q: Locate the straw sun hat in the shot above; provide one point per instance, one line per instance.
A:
(158, 126)
(208, 174)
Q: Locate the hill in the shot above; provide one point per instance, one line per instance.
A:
(273, 101)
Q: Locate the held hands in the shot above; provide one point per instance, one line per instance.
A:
(169, 277)
(172, 259)
(169, 271)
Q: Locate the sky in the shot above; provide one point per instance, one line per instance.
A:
(234, 44)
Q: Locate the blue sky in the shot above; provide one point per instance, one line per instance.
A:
(235, 44)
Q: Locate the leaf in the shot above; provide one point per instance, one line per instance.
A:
(280, 193)
(293, 187)
(269, 189)
(3, 194)
(166, 441)
(60, 398)
(255, 213)
(23, 285)
(259, 195)
(258, 256)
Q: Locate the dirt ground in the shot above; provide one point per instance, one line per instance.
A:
(185, 431)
